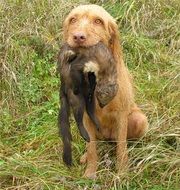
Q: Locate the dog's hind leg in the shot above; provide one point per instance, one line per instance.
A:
(137, 123)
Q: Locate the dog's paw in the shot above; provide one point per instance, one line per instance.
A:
(83, 158)
(90, 174)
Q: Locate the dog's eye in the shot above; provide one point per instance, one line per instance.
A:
(98, 21)
(73, 20)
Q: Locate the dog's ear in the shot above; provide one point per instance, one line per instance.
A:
(114, 42)
(65, 28)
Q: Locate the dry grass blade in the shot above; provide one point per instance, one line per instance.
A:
(30, 149)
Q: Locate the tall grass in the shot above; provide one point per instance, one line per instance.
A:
(30, 149)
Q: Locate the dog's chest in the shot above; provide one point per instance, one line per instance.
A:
(108, 126)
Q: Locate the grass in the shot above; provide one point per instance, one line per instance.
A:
(30, 148)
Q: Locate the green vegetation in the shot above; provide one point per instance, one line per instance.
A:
(30, 148)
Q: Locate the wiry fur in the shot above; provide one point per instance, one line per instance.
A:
(121, 118)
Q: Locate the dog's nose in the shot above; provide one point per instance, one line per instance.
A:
(79, 37)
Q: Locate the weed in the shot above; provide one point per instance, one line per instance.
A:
(30, 148)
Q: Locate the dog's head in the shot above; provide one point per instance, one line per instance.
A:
(86, 25)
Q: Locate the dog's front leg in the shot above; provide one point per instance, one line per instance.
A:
(91, 154)
(122, 154)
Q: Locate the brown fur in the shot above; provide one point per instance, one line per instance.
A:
(121, 118)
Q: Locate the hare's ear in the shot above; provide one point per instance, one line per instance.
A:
(114, 40)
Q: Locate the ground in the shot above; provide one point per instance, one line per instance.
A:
(30, 147)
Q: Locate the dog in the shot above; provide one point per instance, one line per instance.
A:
(76, 77)
(121, 118)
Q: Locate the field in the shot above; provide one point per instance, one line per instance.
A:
(30, 147)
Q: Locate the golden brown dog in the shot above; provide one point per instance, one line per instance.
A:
(86, 25)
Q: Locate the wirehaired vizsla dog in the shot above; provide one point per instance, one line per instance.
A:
(121, 118)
